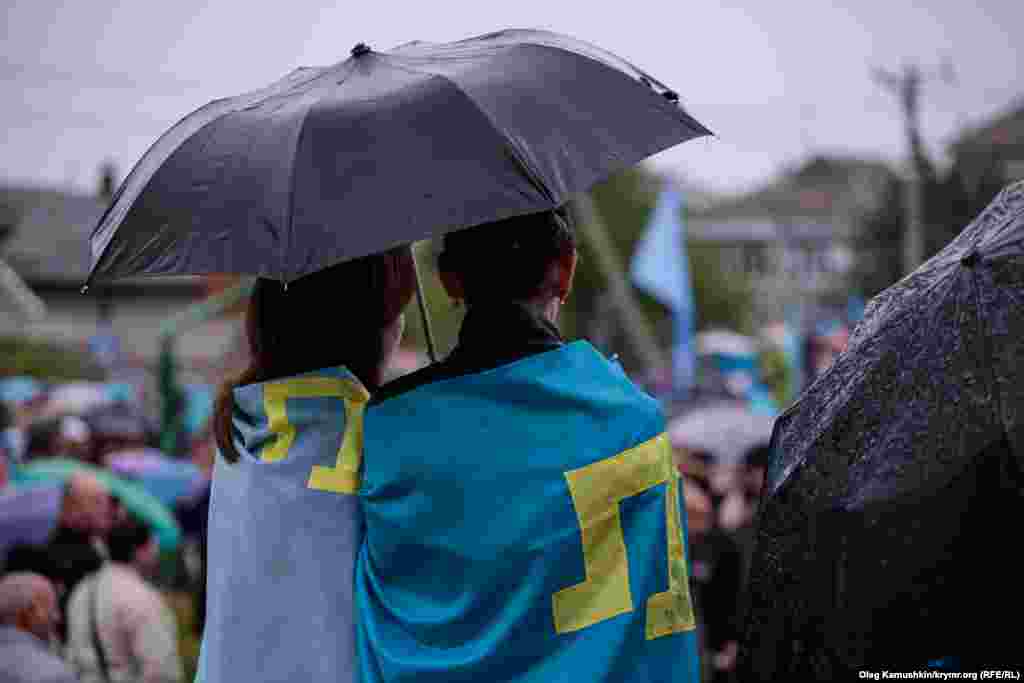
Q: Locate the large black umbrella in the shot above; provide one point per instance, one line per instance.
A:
(382, 149)
(889, 517)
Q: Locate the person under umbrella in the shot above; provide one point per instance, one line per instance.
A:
(892, 473)
(519, 466)
(283, 524)
(382, 149)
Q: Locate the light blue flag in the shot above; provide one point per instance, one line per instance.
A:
(284, 530)
(524, 524)
(660, 266)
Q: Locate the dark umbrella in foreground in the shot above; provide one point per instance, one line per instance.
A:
(383, 149)
(891, 506)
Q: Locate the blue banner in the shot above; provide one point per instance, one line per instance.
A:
(660, 266)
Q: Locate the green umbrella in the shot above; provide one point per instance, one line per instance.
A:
(134, 497)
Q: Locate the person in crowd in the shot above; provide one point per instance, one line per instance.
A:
(716, 580)
(10, 438)
(73, 438)
(534, 476)
(78, 545)
(193, 513)
(5, 470)
(119, 628)
(283, 522)
(740, 502)
(28, 621)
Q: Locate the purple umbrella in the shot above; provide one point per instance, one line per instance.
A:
(164, 477)
(29, 515)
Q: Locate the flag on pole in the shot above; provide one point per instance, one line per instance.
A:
(660, 267)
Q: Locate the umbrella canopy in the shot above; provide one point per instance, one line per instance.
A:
(120, 421)
(725, 429)
(166, 478)
(134, 497)
(878, 541)
(78, 398)
(29, 515)
(726, 342)
(383, 149)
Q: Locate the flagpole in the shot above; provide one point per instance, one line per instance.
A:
(424, 313)
(638, 328)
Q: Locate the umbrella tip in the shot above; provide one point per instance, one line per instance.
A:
(671, 95)
(360, 49)
(970, 259)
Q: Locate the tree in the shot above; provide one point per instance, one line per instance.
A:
(625, 201)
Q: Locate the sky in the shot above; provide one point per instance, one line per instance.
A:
(777, 81)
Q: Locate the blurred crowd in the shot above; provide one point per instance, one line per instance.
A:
(102, 537)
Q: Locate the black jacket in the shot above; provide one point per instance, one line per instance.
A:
(491, 336)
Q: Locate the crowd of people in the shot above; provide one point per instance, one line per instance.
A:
(90, 597)
(86, 588)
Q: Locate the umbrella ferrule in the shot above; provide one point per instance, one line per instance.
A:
(360, 49)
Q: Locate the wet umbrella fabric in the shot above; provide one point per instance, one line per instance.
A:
(382, 149)
(28, 515)
(896, 474)
(725, 429)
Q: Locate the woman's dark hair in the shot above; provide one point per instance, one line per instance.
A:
(126, 538)
(508, 260)
(332, 317)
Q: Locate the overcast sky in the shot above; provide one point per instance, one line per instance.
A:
(776, 81)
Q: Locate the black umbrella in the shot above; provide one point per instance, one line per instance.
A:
(892, 502)
(383, 149)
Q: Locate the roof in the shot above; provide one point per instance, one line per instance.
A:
(47, 236)
(1005, 129)
(806, 203)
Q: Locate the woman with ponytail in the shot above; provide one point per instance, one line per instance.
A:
(284, 525)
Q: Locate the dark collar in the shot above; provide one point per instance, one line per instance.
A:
(496, 332)
(491, 336)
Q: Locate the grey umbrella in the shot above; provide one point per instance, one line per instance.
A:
(727, 430)
(383, 149)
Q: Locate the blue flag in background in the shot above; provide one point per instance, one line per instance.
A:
(660, 267)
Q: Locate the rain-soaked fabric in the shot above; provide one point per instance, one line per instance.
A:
(383, 149)
(281, 552)
(522, 524)
(885, 531)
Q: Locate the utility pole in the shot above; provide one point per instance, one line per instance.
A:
(907, 88)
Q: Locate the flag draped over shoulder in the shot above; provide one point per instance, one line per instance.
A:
(523, 524)
(660, 267)
(284, 531)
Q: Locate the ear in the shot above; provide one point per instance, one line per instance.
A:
(453, 285)
(566, 273)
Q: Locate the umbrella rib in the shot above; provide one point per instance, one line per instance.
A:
(291, 180)
(251, 99)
